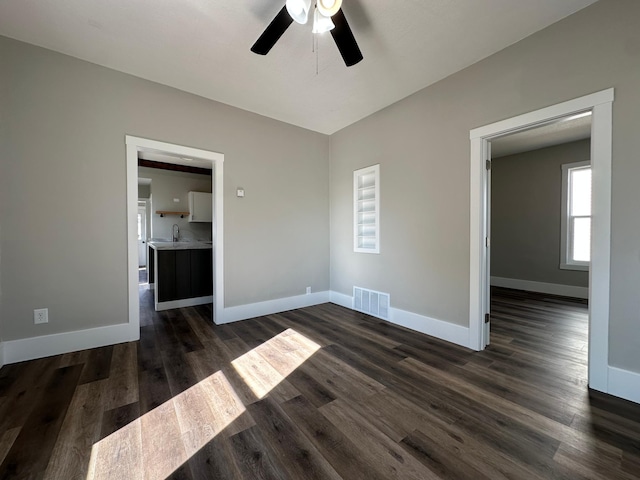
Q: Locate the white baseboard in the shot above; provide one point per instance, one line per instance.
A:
(185, 302)
(624, 384)
(541, 287)
(341, 299)
(447, 331)
(1, 354)
(259, 309)
(59, 343)
(431, 326)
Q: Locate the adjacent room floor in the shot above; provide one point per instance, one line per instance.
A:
(321, 392)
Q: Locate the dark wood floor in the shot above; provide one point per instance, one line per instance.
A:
(321, 392)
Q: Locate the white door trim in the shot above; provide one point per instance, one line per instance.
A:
(135, 145)
(600, 104)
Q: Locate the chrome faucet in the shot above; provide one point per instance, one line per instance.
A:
(175, 233)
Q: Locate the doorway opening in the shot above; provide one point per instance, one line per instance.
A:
(539, 211)
(143, 228)
(137, 147)
(600, 106)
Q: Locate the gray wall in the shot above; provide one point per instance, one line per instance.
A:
(526, 203)
(144, 191)
(167, 185)
(63, 190)
(422, 144)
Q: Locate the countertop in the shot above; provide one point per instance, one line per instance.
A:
(164, 245)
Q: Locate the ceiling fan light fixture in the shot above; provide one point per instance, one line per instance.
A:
(299, 10)
(321, 23)
(328, 8)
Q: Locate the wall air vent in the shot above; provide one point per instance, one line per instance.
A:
(371, 302)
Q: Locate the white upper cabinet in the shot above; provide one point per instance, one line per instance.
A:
(200, 207)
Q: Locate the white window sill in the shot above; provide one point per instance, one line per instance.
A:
(569, 266)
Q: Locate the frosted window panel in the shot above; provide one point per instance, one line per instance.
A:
(581, 192)
(581, 239)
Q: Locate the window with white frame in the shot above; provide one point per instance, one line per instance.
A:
(366, 210)
(576, 216)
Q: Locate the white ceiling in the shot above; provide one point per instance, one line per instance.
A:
(202, 47)
(570, 129)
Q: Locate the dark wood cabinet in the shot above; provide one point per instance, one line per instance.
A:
(166, 275)
(184, 274)
(201, 273)
(151, 263)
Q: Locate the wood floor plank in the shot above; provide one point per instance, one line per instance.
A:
(6, 441)
(262, 377)
(153, 389)
(31, 450)
(408, 417)
(596, 464)
(215, 460)
(119, 455)
(301, 458)
(74, 358)
(81, 429)
(25, 391)
(98, 364)
(122, 388)
(231, 415)
(439, 459)
(315, 391)
(378, 449)
(117, 418)
(344, 455)
(162, 449)
(254, 457)
(534, 422)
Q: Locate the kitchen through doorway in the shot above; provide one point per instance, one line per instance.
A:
(171, 175)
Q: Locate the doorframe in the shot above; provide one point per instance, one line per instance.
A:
(138, 144)
(601, 106)
(144, 205)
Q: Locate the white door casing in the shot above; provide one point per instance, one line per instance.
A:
(486, 330)
(600, 104)
(135, 145)
(142, 236)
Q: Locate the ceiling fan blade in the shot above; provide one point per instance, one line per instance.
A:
(345, 41)
(273, 32)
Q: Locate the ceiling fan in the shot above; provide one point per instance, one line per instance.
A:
(327, 16)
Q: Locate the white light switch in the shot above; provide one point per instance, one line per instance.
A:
(240, 192)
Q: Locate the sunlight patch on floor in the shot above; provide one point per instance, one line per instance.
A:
(268, 364)
(158, 443)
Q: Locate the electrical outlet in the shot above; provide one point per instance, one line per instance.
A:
(41, 315)
(308, 290)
